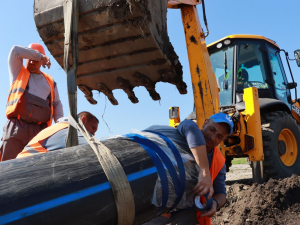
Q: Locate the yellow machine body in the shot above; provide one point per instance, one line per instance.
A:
(249, 126)
(174, 115)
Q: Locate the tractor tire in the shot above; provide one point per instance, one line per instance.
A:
(281, 141)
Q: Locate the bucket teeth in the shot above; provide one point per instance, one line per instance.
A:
(87, 94)
(181, 87)
(116, 39)
(108, 93)
(148, 84)
(144, 80)
(170, 77)
(128, 89)
(154, 95)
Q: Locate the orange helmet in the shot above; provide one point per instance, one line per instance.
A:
(37, 47)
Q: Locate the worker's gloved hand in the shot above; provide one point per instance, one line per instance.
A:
(46, 61)
(204, 184)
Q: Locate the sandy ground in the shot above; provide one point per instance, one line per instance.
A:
(238, 172)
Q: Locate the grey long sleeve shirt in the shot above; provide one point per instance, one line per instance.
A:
(188, 135)
(38, 85)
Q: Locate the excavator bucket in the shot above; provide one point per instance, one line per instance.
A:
(122, 44)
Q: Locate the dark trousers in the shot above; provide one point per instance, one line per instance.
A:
(16, 135)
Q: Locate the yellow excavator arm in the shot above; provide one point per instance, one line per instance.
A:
(204, 84)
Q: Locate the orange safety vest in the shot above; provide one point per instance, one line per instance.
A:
(17, 89)
(217, 163)
(35, 145)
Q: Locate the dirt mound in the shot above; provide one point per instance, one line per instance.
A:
(275, 202)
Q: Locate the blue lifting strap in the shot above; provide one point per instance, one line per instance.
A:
(180, 166)
(158, 155)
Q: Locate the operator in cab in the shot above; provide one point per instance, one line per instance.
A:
(54, 137)
(33, 99)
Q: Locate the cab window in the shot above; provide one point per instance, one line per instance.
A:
(217, 59)
(251, 69)
(278, 75)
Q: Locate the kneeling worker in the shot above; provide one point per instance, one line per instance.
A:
(212, 169)
(54, 137)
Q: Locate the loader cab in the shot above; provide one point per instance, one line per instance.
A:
(242, 61)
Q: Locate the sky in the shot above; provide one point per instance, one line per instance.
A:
(276, 20)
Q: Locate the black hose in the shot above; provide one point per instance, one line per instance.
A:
(204, 17)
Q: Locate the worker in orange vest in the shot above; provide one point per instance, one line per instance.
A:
(33, 99)
(54, 137)
(212, 169)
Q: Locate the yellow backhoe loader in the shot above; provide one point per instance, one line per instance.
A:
(254, 89)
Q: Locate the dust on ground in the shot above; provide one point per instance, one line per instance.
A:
(274, 202)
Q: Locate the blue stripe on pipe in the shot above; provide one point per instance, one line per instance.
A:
(179, 164)
(31, 210)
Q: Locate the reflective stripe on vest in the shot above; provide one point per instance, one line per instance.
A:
(217, 164)
(18, 87)
(36, 144)
(16, 90)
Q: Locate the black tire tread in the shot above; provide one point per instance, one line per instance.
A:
(272, 124)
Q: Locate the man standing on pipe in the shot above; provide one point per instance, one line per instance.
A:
(212, 169)
(33, 99)
(54, 137)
